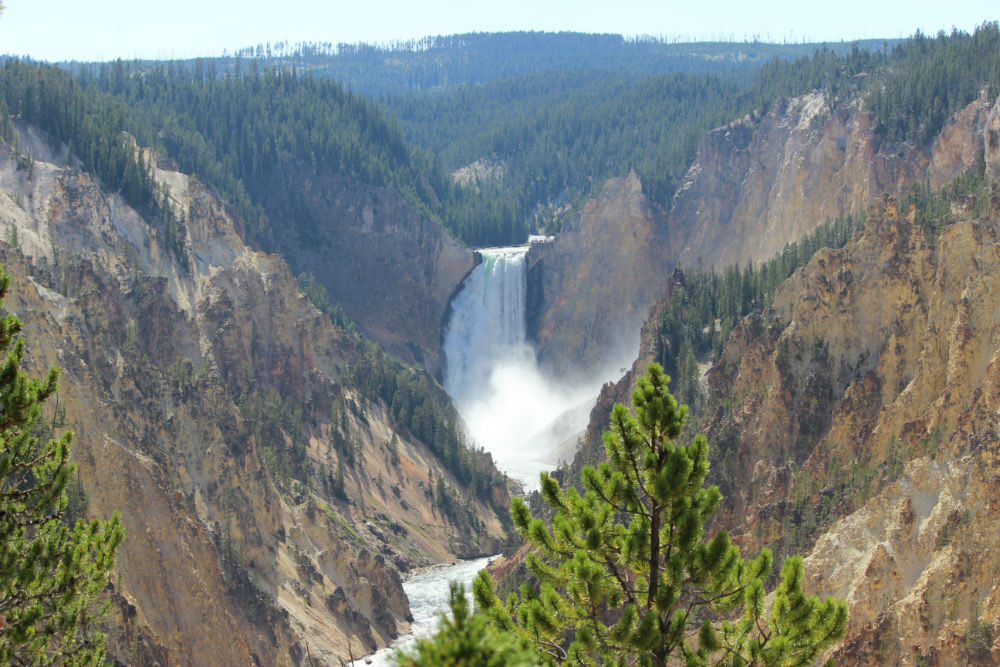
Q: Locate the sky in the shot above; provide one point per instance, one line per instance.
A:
(55, 30)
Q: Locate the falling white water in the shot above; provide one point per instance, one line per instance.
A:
(509, 407)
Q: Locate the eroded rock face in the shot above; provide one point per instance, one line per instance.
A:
(392, 269)
(591, 448)
(870, 393)
(855, 420)
(856, 423)
(590, 290)
(201, 399)
(755, 187)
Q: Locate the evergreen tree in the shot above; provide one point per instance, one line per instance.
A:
(627, 575)
(687, 374)
(50, 572)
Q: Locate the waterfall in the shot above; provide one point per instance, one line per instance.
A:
(487, 325)
(509, 407)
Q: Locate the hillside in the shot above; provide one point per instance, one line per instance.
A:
(437, 63)
(307, 170)
(755, 187)
(763, 181)
(268, 490)
(858, 413)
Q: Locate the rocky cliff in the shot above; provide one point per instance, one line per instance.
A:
(391, 268)
(860, 418)
(211, 404)
(753, 187)
(590, 290)
(856, 423)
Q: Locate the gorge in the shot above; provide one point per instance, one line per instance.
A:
(290, 368)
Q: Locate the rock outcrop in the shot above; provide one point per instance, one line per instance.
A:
(391, 268)
(753, 187)
(201, 387)
(590, 290)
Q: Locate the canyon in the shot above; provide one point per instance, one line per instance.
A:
(752, 188)
(853, 422)
(208, 396)
(279, 474)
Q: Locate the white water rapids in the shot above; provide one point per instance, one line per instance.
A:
(510, 408)
(429, 593)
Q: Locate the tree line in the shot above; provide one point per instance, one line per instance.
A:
(93, 127)
(556, 135)
(434, 64)
(911, 88)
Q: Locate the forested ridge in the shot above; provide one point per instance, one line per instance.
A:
(435, 64)
(556, 135)
(912, 89)
(235, 132)
(90, 125)
(238, 131)
(556, 126)
(551, 137)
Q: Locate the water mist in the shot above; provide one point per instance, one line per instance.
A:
(510, 408)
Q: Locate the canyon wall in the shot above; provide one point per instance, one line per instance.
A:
(590, 289)
(753, 187)
(211, 402)
(855, 423)
(860, 418)
(391, 268)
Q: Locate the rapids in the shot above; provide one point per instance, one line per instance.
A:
(428, 593)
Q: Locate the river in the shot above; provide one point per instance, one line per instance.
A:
(428, 592)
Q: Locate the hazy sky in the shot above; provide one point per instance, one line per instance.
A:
(109, 29)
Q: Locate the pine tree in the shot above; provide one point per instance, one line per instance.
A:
(50, 573)
(687, 373)
(627, 576)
